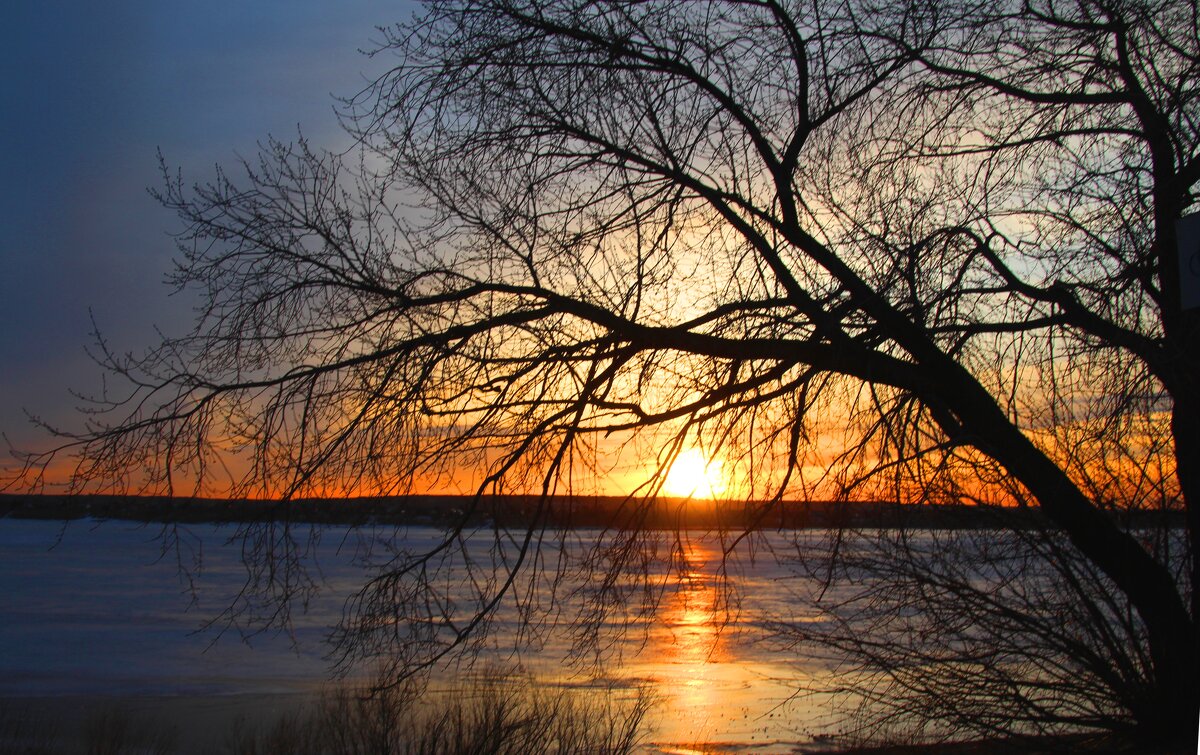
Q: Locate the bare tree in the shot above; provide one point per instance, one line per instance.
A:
(924, 250)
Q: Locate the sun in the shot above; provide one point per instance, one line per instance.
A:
(693, 476)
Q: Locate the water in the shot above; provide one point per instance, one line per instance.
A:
(113, 610)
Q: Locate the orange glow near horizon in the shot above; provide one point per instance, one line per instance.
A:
(622, 467)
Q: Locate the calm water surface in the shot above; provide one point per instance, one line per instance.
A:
(93, 609)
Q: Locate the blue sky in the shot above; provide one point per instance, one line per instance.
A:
(91, 91)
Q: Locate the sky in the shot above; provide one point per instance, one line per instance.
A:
(91, 92)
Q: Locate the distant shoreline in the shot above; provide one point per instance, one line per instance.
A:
(562, 511)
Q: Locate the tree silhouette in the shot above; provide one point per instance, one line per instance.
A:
(942, 232)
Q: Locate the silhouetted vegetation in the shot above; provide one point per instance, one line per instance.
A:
(497, 715)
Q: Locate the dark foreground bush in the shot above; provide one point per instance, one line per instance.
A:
(500, 716)
(107, 730)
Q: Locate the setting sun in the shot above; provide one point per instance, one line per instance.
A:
(693, 476)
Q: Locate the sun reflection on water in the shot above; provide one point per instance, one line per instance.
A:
(689, 649)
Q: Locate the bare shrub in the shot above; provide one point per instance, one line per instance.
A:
(505, 715)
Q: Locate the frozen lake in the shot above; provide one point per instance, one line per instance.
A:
(93, 609)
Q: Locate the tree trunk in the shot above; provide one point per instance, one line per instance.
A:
(1169, 708)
